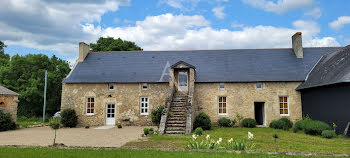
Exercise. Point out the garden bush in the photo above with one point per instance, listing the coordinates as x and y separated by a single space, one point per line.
198 131
328 134
313 127
233 123
203 121
146 131
300 125
224 122
69 118
249 122
6 122
157 115
283 123
120 126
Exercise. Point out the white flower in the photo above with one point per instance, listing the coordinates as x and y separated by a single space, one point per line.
218 142
250 135
230 140
207 137
194 136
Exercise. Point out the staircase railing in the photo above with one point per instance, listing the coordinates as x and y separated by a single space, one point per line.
189 124
165 112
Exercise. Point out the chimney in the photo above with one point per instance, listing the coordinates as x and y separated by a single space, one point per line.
297 45
83 51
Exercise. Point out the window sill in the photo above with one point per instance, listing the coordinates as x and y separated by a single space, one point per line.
223 114
284 114
90 114
144 114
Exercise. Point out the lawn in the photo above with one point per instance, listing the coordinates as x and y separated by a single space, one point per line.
9 152
287 142
24 122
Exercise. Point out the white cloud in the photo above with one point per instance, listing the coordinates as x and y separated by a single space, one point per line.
179 32
219 12
281 6
185 5
315 12
340 22
52 24
236 24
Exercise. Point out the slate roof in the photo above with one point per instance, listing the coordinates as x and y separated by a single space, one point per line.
334 67
5 91
236 65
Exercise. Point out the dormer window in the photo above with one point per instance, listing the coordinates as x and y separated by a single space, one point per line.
222 86
144 86
111 86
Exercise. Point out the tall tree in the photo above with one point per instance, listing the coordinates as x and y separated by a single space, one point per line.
4 58
111 44
25 75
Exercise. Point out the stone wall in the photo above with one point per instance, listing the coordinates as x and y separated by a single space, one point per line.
10 106
126 97
241 98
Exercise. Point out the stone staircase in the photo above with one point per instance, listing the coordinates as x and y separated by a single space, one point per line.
176 122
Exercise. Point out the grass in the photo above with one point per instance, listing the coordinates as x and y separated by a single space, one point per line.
24 122
287 141
10 152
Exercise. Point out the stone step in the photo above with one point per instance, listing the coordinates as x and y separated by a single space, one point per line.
176 125
175 129
176 122
175 132
178 115
178 111
177 118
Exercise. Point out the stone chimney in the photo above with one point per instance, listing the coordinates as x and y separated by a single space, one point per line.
297 45
83 51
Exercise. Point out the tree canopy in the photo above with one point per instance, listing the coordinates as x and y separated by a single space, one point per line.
4 58
111 44
26 76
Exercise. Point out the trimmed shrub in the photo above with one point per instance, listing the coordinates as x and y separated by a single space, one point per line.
157 115
69 118
88 126
151 131
313 127
120 126
203 121
224 122
328 134
198 131
146 131
282 123
233 123
249 122
6 122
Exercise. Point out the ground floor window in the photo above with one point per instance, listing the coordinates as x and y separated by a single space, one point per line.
222 105
90 106
284 106
144 105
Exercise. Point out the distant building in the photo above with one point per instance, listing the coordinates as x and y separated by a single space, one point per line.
9 102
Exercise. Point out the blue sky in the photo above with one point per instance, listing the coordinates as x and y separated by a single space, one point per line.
57 26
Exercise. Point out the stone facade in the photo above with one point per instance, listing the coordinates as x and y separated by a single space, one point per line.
9 105
241 98
125 96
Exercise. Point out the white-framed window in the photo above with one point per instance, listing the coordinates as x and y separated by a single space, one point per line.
222 105
222 86
144 86
259 86
144 105
111 86
284 106
90 106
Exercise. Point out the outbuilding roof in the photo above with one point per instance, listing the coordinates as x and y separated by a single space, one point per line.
5 91
334 67
236 65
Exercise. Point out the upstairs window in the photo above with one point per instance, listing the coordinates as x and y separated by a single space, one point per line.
144 105
284 106
144 86
222 86
111 86
90 106
259 86
222 106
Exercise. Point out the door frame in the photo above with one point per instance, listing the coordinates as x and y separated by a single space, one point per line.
107 113
263 112
182 88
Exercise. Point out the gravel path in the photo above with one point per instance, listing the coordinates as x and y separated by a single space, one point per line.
43 136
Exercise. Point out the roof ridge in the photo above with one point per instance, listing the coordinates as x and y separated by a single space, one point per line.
202 50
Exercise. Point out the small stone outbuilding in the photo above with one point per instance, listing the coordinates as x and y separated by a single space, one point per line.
9 102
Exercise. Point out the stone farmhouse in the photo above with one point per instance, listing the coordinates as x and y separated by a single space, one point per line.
108 88
9 102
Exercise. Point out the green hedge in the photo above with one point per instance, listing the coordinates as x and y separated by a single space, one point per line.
6 122
69 118
249 122
202 120
224 122
283 123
